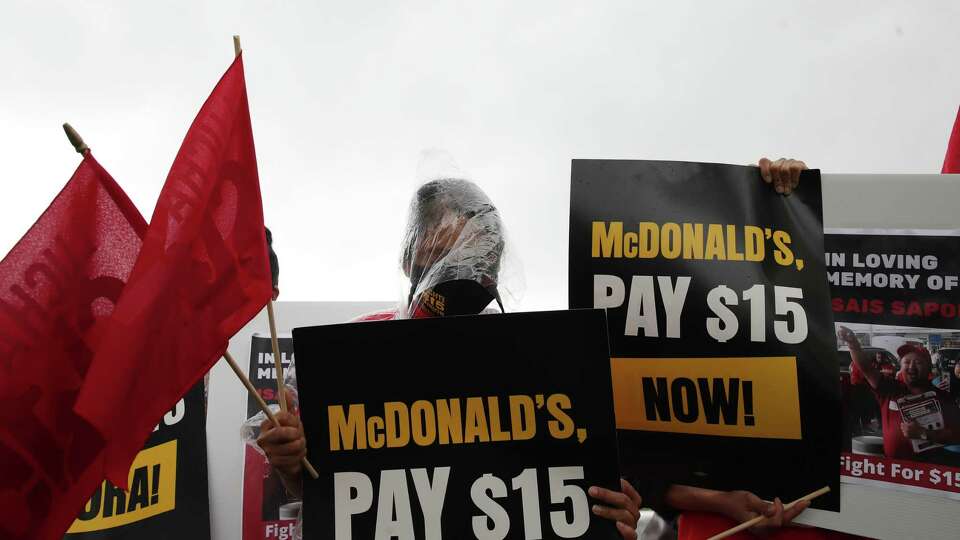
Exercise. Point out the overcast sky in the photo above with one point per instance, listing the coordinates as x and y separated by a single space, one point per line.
345 95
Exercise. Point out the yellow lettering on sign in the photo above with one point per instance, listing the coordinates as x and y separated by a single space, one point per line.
153 491
732 397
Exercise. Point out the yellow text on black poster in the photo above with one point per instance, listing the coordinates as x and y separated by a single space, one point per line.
153 488
733 397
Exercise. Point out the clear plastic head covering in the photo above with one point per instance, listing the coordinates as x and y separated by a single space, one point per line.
453 247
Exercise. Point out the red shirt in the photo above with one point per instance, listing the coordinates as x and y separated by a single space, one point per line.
895 444
385 315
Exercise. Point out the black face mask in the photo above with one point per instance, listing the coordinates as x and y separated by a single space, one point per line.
458 297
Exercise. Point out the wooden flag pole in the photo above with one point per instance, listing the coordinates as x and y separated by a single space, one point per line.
282 398
281 387
274 344
75 139
263 406
747 524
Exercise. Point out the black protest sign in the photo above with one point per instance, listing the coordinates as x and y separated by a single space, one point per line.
486 426
268 511
894 279
168 484
263 369
721 335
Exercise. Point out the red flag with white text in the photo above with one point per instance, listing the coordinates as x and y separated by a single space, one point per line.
58 285
202 274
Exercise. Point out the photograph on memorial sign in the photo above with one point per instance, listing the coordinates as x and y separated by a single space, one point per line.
168 484
719 320
483 426
269 511
897 294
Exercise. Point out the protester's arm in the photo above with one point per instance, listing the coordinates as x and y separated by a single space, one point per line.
285 447
739 506
622 507
870 372
783 173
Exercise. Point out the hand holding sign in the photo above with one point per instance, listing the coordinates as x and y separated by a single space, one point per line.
912 430
623 507
783 173
285 445
743 506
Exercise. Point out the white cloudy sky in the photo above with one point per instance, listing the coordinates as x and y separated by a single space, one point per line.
345 95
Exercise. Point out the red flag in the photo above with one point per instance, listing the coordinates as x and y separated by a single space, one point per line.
57 287
202 274
951 163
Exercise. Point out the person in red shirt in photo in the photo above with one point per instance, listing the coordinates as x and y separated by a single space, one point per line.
899 435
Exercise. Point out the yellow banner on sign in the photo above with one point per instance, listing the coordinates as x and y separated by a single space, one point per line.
153 491
753 397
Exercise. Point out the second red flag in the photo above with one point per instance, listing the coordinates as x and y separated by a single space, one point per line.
202 274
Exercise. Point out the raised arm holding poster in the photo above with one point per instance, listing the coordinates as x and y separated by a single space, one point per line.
487 426
721 334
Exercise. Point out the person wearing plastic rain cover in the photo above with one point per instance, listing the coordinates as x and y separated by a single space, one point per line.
451 254
452 257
